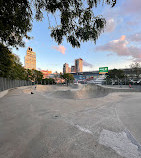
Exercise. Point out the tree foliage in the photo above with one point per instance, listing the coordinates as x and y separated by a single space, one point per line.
136 69
77 20
11 67
5 61
17 71
37 75
116 74
67 76
48 81
29 75
15 21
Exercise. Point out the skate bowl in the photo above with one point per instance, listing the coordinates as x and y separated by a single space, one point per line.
88 91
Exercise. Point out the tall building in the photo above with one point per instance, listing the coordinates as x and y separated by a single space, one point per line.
79 65
73 69
30 59
69 70
66 68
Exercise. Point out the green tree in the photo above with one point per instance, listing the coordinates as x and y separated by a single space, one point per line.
68 77
77 21
37 76
56 75
136 69
15 21
29 75
5 61
48 81
10 65
115 74
17 71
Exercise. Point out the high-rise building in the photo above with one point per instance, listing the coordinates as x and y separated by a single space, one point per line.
30 59
66 68
79 65
73 69
69 70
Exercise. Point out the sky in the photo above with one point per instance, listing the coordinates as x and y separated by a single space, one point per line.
117 47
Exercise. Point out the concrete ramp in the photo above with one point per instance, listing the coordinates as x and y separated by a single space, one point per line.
78 91
88 91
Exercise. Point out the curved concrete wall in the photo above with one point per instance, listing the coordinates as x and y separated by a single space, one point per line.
89 91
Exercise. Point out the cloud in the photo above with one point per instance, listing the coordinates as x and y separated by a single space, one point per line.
111 13
110 54
122 38
39 69
87 64
133 22
110 25
121 48
60 49
131 7
125 16
135 37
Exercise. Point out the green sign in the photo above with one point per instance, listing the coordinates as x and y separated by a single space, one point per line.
103 70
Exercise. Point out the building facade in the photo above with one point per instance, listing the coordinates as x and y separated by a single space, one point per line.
46 73
30 59
79 65
66 68
73 69
69 70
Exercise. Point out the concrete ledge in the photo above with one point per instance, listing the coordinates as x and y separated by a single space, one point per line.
25 87
89 91
118 89
3 93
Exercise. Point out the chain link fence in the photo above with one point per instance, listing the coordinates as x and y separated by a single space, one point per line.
6 83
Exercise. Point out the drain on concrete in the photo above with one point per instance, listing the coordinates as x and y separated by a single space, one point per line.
56 116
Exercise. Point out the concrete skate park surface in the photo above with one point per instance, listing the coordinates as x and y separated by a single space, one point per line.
96 122
81 91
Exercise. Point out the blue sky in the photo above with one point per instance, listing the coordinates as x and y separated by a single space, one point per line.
117 47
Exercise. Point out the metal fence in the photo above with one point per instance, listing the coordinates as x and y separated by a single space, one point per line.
6 83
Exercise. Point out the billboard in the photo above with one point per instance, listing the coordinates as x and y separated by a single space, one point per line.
103 70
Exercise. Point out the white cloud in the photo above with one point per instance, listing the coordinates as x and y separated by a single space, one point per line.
87 64
110 25
60 49
135 37
125 17
131 7
39 69
121 48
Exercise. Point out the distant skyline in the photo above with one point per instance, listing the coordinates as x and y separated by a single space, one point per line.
117 47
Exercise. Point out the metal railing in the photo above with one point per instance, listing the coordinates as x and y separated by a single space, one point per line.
6 83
